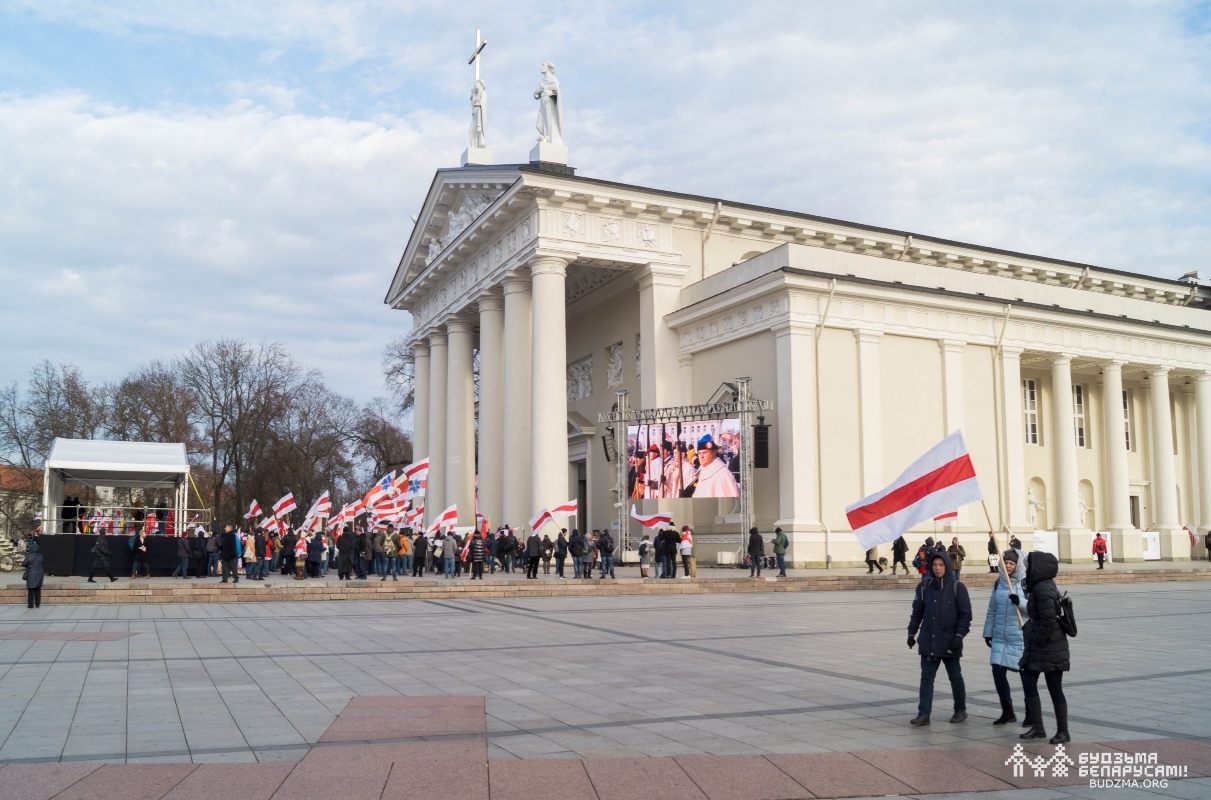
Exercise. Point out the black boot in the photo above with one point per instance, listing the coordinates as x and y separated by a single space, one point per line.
919 720
1034 713
1007 714
1061 724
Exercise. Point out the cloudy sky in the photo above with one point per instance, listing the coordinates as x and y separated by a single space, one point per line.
176 171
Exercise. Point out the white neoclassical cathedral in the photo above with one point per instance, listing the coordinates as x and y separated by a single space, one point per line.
1084 393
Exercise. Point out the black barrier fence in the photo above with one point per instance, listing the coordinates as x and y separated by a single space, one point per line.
71 554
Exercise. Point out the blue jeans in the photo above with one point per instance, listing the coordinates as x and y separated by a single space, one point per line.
448 566
576 566
380 565
957 573
781 564
212 566
929 668
607 565
405 563
275 563
264 568
183 568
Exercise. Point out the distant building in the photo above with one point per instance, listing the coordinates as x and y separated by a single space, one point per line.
20 499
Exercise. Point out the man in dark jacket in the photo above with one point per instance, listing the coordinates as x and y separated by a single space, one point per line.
227 554
288 543
421 547
576 546
365 551
533 553
260 550
756 552
200 557
184 551
561 551
605 548
899 550
941 612
344 554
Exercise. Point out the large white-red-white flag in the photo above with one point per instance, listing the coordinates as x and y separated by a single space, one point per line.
449 517
414 479
941 480
567 509
541 518
254 511
652 520
284 506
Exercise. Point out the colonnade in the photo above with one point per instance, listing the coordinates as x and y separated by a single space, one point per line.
523 443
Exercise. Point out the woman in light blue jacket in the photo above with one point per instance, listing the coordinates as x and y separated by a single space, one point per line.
1002 632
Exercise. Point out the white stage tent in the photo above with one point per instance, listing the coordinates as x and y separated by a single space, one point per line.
95 462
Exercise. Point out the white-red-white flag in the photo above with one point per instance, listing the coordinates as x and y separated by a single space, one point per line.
941 480
254 511
415 478
284 506
652 520
449 517
380 491
949 515
541 518
567 509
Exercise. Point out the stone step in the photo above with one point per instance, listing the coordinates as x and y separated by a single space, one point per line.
166 590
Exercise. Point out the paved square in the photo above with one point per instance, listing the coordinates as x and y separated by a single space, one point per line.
593 677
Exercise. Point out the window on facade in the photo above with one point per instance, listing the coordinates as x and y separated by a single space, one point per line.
1078 414
1030 408
1127 418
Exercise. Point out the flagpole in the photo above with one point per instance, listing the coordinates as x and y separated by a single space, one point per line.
1001 564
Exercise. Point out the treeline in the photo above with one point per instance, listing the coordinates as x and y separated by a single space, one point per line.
256 424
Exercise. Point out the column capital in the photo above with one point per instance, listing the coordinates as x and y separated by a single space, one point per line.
420 349
1061 359
685 359
793 327
1205 375
491 300
1114 364
867 336
515 282
460 326
658 273
1158 371
438 339
1011 352
952 345
550 262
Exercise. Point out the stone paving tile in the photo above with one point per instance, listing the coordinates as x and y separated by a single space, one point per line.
128 781
368 718
741 778
837 775
932 772
544 780
231 782
41 781
630 778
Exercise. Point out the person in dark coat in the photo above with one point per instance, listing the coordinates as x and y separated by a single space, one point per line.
138 561
227 554
315 554
288 543
34 572
200 557
533 553
477 551
756 552
364 552
421 545
184 553
941 613
561 551
548 550
1046 647
344 554
101 558
576 546
899 552
260 548
993 550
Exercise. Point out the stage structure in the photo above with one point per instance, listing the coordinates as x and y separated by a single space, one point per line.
630 433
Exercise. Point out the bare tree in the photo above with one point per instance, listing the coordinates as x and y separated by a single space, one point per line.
379 441
399 372
153 404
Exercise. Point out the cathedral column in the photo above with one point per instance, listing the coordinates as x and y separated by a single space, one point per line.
659 290
435 492
515 482
1175 546
420 399
870 411
1202 401
1063 447
491 405
1126 544
798 440
460 421
548 384
952 406
1013 441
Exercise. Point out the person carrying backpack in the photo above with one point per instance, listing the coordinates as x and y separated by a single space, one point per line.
577 549
780 546
1046 645
605 547
645 556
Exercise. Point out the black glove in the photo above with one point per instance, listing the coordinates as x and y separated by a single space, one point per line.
1013 598
988 641
957 644
912 641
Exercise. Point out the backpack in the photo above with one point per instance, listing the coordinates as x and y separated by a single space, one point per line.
1065 618
916 560
577 548
643 548
131 542
606 544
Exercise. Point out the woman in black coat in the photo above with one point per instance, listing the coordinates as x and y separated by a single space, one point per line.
101 558
1045 647
344 554
34 571
756 552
